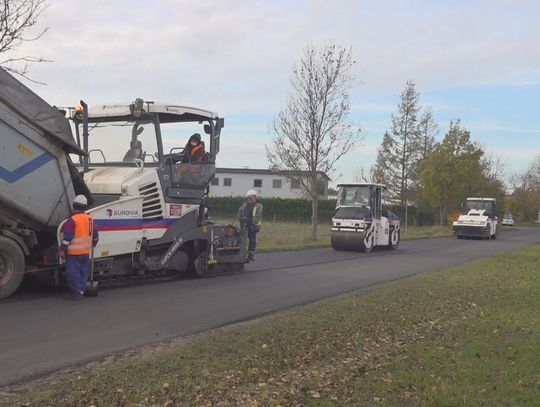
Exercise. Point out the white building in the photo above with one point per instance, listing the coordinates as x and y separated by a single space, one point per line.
267 183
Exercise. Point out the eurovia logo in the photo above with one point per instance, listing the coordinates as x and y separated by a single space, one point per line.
124 212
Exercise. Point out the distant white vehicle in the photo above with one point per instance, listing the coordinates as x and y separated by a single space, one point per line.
508 220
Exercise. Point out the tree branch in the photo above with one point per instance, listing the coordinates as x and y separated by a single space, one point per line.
16 19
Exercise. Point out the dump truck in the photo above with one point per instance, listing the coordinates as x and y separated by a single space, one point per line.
361 221
478 219
148 203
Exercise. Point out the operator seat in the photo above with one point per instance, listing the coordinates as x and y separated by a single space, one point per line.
135 152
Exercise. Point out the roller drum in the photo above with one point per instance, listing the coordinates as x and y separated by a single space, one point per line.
349 241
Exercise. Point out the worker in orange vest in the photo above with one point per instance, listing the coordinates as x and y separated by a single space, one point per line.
194 150
79 236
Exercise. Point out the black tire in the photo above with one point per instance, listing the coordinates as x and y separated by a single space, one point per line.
200 264
459 236
11 266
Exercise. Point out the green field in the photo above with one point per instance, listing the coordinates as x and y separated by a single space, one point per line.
468 336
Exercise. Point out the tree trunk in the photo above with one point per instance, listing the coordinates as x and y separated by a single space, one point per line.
314 216
406 216
445 214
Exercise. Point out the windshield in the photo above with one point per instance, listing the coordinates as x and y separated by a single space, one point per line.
353 195
347 212
488 206
121 142
196 175
126 141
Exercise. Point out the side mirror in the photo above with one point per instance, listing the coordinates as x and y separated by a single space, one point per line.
137 129
207 129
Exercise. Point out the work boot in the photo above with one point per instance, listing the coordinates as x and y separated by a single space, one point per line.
251 255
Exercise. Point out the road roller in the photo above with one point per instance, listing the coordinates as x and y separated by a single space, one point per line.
361 221
478 220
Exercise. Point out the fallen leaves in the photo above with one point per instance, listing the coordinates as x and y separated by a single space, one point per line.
315 394
360 351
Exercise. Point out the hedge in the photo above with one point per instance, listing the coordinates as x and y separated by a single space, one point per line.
275 209
299 210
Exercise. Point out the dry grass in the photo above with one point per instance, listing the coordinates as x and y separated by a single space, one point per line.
291 236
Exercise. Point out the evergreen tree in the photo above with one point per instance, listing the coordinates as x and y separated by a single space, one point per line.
398 154
427 133
380 171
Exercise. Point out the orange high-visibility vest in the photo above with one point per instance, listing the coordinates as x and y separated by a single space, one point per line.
197 149
82 236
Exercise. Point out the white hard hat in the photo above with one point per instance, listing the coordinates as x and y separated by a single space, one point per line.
251 192
80 200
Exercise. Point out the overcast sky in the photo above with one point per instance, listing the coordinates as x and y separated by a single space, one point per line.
474 60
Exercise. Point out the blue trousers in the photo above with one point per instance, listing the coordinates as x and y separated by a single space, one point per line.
77 269
252 237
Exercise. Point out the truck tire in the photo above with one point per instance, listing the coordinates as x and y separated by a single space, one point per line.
11 266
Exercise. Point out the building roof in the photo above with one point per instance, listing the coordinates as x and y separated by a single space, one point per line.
266 172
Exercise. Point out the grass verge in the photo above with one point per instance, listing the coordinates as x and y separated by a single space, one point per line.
277 236
469 336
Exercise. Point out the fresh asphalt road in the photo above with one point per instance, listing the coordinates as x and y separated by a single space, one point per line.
42 334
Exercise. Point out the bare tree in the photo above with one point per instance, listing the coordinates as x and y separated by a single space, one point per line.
312 132
17 19
361 175
526 190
